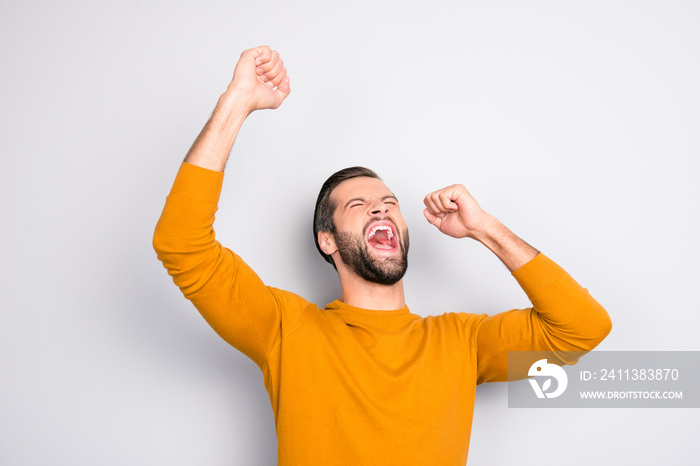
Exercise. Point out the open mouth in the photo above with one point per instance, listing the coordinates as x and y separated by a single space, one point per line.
382 236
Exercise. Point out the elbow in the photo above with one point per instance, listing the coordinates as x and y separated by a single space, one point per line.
165 240
607 326
588 328
593 322
603 327
596 328
165 245
158 241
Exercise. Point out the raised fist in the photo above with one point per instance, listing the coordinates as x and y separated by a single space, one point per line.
454 211
260 79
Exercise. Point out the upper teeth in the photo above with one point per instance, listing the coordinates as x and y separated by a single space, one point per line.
381 227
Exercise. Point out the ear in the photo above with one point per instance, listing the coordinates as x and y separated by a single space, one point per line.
326 242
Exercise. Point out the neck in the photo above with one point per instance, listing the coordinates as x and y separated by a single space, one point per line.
367 295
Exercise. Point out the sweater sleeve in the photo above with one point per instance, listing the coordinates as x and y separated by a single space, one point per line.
564 318
228 294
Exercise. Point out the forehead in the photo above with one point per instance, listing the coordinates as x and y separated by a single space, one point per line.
359 187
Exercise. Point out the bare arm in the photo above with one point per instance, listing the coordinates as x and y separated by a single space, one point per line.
259 81
456 213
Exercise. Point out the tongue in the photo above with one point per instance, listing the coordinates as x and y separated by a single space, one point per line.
381 240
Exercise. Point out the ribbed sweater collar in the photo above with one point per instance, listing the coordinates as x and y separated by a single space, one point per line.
392 320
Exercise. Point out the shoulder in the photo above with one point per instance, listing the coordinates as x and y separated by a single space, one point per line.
295 310
290 299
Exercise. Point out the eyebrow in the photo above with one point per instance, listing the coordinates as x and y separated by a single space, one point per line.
363 200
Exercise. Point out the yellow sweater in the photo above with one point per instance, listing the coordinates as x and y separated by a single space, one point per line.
356 386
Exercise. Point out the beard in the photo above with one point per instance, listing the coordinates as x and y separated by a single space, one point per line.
355 254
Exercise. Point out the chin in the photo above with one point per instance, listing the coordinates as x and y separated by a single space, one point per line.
383 266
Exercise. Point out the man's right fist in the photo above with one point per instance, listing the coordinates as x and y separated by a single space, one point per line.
260 79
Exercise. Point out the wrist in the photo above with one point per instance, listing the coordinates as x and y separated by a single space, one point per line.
213 145
233 105
512 250
230 112
489 231
238 100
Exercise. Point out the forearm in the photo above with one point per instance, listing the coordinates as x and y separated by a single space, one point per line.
510 249
259 81
212 147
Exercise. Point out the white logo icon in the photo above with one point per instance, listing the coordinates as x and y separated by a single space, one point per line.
543 369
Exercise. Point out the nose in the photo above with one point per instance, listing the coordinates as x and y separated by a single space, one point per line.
377 207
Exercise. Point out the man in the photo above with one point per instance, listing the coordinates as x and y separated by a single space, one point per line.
362 381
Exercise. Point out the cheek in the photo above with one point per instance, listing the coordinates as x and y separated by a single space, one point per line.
398 219
353 222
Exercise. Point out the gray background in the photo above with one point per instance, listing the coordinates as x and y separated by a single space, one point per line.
575 123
